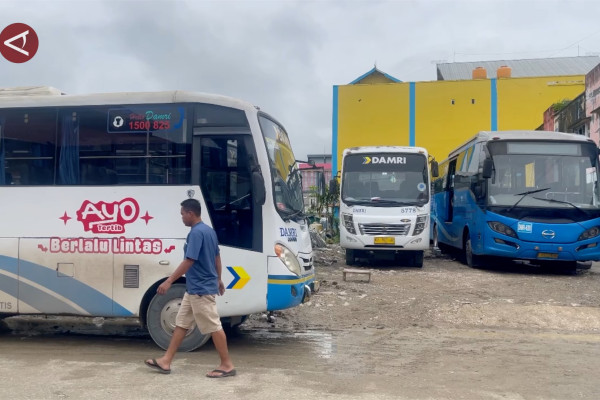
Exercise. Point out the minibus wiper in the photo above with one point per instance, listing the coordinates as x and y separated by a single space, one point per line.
563 202
525 194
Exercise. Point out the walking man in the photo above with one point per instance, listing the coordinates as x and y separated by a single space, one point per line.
202 269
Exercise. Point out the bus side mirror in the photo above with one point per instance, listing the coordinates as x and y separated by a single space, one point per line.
488 167
434 169
321 184
258 187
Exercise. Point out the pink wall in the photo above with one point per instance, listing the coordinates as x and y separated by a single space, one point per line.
592 102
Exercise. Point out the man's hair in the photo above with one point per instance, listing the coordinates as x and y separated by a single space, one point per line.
192 205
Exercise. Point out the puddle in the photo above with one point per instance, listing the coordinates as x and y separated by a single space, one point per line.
321 344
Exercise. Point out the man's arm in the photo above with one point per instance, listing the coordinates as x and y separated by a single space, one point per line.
179 272
219 268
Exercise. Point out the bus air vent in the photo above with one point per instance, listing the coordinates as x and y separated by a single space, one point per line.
131 276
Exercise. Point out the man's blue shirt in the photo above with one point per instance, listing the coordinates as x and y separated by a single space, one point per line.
202 246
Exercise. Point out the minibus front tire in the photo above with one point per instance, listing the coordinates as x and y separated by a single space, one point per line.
160 320
350 257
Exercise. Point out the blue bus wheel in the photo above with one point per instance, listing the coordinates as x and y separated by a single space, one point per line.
160 320
472 260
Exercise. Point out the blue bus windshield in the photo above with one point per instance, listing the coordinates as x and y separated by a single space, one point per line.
567 176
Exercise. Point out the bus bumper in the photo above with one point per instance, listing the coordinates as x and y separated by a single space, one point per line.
503 246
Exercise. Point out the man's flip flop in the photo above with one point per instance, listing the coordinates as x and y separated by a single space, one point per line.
222 374
154 364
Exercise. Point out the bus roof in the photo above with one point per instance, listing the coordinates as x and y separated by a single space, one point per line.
485 136
38 97
384 149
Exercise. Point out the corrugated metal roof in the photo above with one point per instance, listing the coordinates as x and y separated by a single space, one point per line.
520 68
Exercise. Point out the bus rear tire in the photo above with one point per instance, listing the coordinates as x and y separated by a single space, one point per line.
160 320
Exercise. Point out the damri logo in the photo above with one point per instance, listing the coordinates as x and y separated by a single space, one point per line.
384 160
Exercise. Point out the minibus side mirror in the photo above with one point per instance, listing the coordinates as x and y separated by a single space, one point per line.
488 167
258 187
434 169
334 187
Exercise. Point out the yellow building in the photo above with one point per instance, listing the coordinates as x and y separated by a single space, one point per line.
378 109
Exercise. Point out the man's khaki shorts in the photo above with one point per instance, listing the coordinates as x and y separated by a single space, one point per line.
199 308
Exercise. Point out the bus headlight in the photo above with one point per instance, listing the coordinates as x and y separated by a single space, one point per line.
349 223
288 258
590 233
420 225
502 229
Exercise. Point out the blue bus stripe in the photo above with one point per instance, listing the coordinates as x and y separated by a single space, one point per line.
9 285
86 297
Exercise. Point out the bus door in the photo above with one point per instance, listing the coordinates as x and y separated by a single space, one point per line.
54 279
226 165
450 191
9 275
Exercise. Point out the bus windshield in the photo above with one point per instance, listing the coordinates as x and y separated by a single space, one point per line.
385 179
285 174
543 174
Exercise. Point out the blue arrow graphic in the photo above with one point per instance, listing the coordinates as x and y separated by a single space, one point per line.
236 277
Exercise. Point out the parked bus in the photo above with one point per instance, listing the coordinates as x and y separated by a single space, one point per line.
90 195
385 203
526 195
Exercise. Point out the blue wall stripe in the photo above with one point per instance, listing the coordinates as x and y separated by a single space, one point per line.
412 113
494 103
334 132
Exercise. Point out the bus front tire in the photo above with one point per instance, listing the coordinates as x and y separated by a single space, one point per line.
350 257
417 259
160 320
472 260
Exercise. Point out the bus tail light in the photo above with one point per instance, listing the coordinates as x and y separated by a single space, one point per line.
349 223
502 229
288 258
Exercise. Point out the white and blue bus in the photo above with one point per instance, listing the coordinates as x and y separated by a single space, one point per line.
90 194
523 195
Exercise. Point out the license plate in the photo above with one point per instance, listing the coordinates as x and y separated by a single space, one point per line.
547 255
385 240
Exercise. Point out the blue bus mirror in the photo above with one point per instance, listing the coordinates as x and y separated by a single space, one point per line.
488 167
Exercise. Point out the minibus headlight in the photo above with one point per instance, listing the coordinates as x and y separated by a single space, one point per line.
288 258
349 223
590 233
502 229
420 224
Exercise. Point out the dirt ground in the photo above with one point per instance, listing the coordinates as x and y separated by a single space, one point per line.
443 331
449 331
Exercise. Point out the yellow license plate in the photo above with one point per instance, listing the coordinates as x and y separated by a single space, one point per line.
385 240
547 255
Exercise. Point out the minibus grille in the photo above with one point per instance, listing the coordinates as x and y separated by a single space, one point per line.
384 229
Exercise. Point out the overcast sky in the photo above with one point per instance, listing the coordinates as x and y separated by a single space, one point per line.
284 56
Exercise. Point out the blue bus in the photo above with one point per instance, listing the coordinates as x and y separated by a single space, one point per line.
519 195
